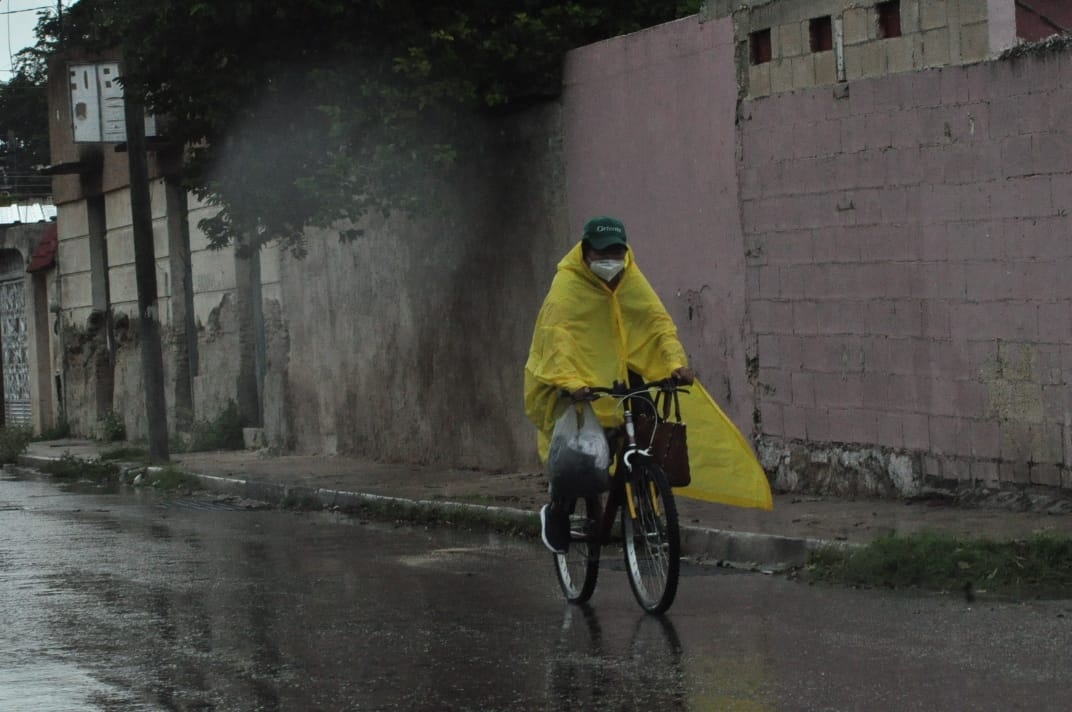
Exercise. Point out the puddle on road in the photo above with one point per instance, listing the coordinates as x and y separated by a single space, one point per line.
44 686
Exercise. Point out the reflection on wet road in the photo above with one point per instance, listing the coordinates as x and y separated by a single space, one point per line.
128 602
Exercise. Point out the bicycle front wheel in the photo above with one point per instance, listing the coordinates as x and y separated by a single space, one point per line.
578 568
652 539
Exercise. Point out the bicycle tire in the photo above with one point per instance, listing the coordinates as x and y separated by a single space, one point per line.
652 541
578 568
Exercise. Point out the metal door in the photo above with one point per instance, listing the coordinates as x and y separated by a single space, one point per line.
17 408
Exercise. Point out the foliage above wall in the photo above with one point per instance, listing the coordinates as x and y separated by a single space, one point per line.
320 112
24 130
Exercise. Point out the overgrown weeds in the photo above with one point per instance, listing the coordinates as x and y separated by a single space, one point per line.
13 442
224 432
170 479
74 469
59 431
1037 567
112 427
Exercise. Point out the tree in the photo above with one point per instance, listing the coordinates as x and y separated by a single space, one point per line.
24 130
320 112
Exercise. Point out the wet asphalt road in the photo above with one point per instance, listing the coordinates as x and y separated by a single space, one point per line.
131 602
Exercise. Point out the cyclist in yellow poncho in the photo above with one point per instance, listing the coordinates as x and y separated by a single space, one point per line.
602 320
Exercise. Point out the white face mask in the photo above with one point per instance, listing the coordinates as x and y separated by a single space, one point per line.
606 269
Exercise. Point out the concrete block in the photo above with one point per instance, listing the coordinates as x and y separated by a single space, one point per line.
899 54
759 79
859 25
935 48
867 60
212 271
789 41
771 317
781 75
120 246
974 43
122 284
803 71
794 423
73 256
117 209
76 292
890 429
803 389
72 220
970 11
771 416
825 68
933 15
817 424
916 431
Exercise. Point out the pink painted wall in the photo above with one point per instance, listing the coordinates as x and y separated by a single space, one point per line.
909 260
649 126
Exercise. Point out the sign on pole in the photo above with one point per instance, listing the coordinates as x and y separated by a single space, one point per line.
97 104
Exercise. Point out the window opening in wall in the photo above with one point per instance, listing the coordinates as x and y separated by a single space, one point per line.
822 34
889 18
761 46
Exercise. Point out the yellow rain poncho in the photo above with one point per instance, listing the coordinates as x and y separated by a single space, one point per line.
589 335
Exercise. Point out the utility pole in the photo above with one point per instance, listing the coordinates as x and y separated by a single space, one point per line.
152 360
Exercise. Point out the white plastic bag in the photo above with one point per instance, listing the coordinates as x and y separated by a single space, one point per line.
579 457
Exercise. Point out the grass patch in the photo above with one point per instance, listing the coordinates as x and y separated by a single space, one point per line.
75 469
1036 567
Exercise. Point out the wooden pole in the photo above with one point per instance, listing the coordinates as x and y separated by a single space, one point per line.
152 360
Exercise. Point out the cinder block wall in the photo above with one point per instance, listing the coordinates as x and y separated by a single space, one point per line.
933 33
908 250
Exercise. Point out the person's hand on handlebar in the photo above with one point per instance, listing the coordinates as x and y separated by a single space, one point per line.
684 374
583 393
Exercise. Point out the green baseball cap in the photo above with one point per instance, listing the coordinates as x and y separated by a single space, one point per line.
601 232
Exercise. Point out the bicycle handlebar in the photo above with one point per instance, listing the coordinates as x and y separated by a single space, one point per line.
624 390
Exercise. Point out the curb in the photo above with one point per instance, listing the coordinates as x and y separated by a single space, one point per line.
736 549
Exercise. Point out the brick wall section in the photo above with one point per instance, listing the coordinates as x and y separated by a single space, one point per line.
934 33
907 251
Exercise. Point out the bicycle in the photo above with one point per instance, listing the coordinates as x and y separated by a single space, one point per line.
649 524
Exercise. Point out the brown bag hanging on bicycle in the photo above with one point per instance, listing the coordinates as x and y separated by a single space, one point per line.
668 443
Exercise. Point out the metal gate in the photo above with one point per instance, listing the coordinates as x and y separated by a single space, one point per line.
17 408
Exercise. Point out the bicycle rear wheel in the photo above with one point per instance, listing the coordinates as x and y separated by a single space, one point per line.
578 568
652 540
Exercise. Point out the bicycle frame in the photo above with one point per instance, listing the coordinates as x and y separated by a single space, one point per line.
630 454
650 532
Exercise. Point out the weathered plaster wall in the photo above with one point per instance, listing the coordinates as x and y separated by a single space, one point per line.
409 343
908 246
94 345
649 121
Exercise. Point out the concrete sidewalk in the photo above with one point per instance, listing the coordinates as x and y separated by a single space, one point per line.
744 537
